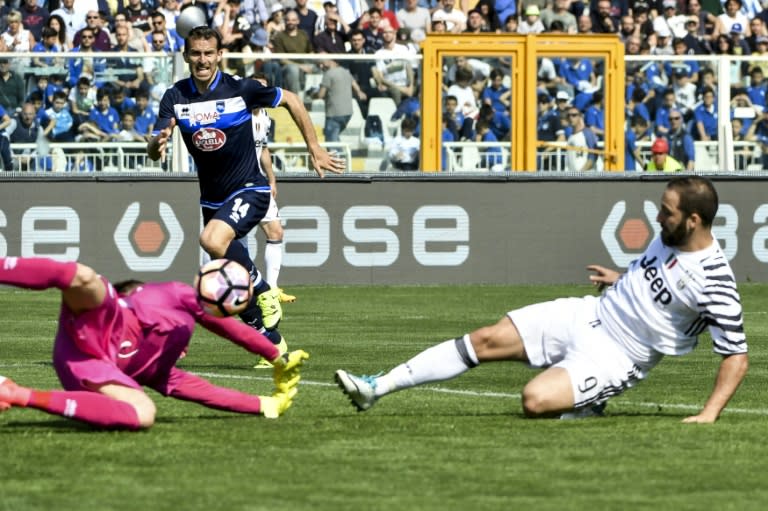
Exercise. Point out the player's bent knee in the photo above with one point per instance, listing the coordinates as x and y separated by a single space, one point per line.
534 404
213 247
548 394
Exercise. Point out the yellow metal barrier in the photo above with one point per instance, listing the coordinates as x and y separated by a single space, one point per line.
522 51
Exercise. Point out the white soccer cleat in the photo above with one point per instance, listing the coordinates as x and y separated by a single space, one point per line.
361 390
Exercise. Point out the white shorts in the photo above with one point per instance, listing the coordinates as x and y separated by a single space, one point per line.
272 211
566 333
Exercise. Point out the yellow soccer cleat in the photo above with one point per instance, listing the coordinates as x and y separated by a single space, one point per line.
266 364
271 311
285 297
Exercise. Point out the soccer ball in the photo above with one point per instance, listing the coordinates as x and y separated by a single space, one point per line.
223 287
189 18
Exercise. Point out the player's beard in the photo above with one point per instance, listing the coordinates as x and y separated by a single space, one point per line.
676 237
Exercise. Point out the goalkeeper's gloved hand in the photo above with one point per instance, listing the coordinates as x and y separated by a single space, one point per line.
286 369
275 405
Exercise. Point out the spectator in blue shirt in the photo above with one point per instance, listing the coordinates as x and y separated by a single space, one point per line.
498 122
41 87
87 66
491 156
496 94
145 116
746 113
594 116
661 121
121 101
48 45
460 127
681 145
757 88
632 158
447 136
691 67
579 73
57 120
173 41
705 117
104 117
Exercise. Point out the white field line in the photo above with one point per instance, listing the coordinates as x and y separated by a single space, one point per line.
458 392
475 393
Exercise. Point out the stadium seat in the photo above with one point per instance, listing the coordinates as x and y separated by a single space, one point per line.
385 108
318 118
704 160
352 133
318 105
470 159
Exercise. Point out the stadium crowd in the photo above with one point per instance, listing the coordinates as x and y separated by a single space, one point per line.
101 99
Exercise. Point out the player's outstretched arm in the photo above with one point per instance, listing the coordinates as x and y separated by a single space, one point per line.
157 147
321 159
732 370
189 387
603 277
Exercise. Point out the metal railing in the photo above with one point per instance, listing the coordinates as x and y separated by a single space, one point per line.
132 157
291 155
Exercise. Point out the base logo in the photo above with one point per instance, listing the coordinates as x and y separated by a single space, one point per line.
625 238
134 236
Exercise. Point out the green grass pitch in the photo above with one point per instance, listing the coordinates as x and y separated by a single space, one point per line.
460 445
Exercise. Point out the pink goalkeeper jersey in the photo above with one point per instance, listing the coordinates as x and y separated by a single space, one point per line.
144 333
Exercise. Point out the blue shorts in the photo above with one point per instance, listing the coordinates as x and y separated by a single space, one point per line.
242 212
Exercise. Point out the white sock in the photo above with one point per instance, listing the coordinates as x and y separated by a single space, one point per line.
273 260
438 363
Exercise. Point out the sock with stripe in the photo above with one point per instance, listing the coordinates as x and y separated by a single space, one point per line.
441 362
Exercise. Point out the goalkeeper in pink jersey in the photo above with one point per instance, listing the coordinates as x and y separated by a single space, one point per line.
114 339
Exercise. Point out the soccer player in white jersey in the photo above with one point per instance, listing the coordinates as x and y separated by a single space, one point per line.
270 224
596 347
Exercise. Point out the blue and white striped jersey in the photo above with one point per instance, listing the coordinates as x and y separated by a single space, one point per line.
668 297
216 128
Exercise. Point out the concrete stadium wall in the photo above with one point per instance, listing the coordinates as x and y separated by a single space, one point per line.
501 230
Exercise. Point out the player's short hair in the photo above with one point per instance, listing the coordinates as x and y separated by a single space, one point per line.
125 287
697 195
202 32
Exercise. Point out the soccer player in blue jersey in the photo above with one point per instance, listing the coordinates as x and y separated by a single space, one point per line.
213 112
596 347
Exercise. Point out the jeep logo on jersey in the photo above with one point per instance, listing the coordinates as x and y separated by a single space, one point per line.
209 139
634 234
